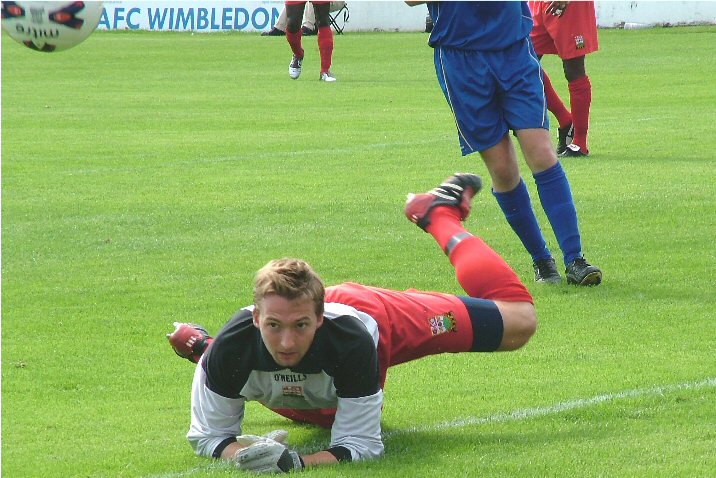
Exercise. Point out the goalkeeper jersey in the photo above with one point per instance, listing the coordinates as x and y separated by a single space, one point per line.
340 370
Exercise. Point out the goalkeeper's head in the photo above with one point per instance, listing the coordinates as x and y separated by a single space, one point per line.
291 279
288 308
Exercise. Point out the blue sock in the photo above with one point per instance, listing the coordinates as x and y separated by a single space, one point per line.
556 197
517 207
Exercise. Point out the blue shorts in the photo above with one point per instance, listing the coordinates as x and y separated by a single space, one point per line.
492 92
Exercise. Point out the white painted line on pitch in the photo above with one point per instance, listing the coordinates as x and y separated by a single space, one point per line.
258 155
514 416
527 413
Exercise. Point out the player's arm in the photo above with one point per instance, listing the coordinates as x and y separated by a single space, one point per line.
215 420
356 433
355 436
215 431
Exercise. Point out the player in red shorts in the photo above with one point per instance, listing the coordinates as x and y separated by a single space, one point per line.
320 355
567 29
294 16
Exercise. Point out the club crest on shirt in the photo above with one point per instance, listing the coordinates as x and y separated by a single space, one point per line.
443 323
292 391
291 383
579 42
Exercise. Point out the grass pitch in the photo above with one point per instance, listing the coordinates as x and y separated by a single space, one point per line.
146 176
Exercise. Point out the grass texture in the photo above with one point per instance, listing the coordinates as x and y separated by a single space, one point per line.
146 176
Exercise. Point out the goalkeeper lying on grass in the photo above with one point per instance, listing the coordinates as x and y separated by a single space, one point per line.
320 355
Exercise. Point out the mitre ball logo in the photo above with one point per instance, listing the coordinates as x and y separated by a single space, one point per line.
50 26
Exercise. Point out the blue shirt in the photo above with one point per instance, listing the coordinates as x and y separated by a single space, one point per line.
479 25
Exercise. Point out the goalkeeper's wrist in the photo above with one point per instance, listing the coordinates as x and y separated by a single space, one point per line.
290 460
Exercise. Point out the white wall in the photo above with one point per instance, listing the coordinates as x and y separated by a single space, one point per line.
394 15
385 16
213 16
616 13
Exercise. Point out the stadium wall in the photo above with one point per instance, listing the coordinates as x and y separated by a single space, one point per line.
253 16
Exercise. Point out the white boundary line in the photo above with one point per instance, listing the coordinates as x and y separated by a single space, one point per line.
251 156
527 413
517 415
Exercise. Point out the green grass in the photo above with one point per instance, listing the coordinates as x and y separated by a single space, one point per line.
146 176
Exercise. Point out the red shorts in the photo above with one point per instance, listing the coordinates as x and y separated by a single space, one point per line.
412 324
323 417
572 35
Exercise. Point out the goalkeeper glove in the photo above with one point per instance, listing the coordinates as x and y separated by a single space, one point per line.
268 456
276 435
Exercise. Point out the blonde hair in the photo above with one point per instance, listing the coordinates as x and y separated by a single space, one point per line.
290 279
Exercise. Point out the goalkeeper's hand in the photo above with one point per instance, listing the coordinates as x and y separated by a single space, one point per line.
279 436
268 456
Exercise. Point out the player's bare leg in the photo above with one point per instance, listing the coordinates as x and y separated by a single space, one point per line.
556 198
514 199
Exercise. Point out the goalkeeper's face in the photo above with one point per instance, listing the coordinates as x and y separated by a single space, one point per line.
287 327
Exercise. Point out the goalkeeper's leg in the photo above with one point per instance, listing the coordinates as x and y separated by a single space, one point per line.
483 274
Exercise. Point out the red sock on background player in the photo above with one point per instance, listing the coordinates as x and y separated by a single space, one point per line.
325 47
555 103
294 40
580 99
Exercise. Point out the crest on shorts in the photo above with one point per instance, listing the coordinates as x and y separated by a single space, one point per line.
579 42
443 323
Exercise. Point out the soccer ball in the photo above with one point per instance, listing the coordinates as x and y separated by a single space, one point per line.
50 26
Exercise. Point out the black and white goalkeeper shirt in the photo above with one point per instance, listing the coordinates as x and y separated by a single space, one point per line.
340 370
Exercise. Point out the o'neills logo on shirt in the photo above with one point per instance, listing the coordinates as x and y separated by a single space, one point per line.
443 323
289 377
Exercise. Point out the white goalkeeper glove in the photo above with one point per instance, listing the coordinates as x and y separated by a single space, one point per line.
276 435
268 456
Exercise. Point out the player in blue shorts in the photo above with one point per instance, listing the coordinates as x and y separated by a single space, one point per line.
492 80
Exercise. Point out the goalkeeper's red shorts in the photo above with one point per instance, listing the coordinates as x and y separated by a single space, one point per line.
323 417
414 324
572 35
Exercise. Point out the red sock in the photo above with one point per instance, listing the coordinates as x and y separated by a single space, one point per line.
294 40
480 270
580 97
555 103
444 224
325 46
